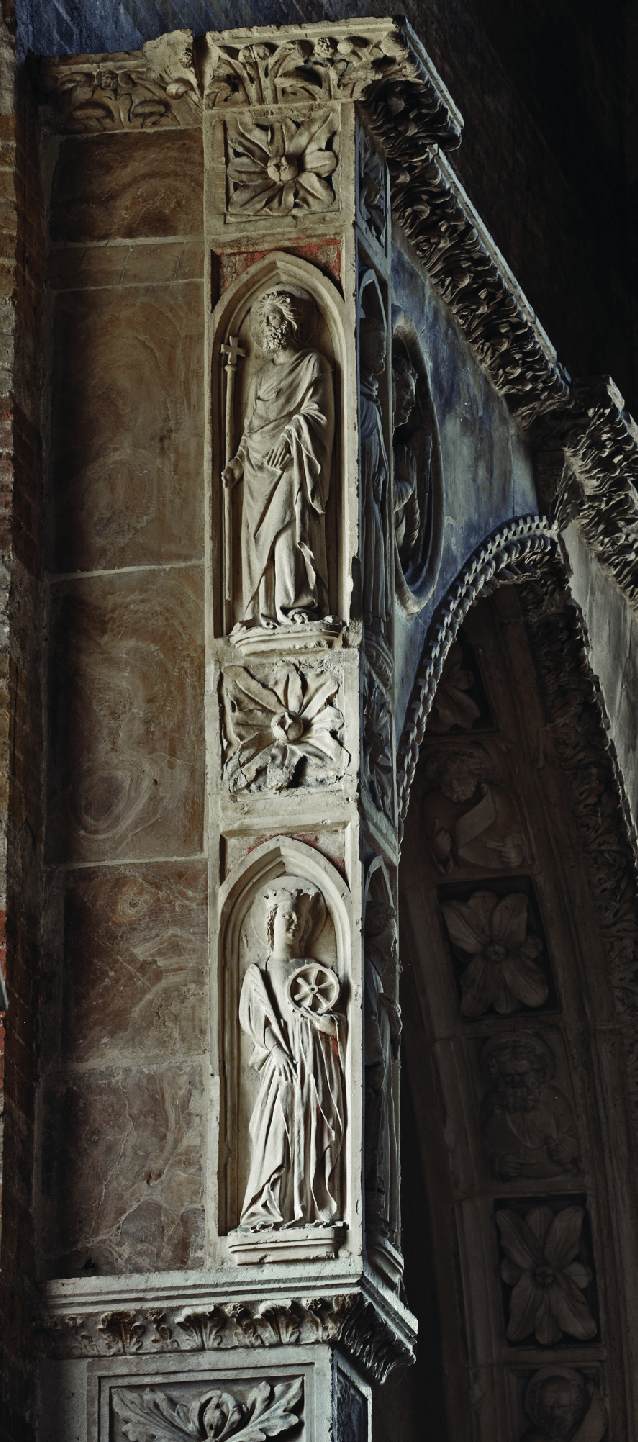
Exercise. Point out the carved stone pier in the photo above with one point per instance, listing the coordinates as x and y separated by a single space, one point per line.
316 510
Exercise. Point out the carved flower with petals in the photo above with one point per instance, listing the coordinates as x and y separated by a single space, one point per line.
283 734
283 166
541 1266
503 973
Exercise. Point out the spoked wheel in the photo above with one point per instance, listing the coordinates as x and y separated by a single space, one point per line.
314 987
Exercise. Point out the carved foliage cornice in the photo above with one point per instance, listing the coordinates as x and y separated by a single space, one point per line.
587 463
148 89
352 1320
345 60
469 272
510 554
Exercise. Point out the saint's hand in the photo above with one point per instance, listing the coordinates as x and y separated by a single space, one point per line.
279 454
283 1064
233 472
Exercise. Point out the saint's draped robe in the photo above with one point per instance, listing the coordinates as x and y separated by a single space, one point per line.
296 1127
285 507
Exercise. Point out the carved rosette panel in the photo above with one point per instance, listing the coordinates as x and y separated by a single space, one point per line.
246 1413
282 164
283 727
548 1281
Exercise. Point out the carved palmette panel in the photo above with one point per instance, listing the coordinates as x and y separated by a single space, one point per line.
285 1043
183 1412
418 490
277 410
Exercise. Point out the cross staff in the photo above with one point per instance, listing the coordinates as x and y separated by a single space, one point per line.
233 352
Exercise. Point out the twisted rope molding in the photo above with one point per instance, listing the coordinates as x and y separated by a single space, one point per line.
527 543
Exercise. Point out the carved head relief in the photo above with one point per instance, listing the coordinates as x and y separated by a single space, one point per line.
562 1407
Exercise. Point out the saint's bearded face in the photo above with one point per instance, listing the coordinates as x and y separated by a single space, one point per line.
519 1085
277 331
562 1407
458 780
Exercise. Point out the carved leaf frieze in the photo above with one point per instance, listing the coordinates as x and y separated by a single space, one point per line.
144 90
265 1410
282 166
283 734
364 1332
542 1264
340 61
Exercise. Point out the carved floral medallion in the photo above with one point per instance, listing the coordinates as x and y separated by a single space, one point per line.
283 734
280 167
542 1265
504 970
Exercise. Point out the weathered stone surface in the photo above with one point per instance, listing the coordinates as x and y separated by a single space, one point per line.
124 186
125 263
127 427
135 958
126 742
123 1170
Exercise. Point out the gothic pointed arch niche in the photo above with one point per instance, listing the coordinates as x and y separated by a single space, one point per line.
519 940
235 358
285 1196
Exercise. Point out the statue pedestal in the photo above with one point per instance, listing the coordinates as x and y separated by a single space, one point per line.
288 1244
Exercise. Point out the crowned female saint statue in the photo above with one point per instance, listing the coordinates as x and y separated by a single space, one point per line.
284 461
287 1009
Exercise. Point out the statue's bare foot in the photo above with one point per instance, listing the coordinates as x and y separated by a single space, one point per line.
299 618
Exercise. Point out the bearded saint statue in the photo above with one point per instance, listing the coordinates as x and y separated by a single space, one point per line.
286 1008
284 460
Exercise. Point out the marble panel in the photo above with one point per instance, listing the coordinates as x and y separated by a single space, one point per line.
127 427
135 962
121 186
126 748
123 1170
